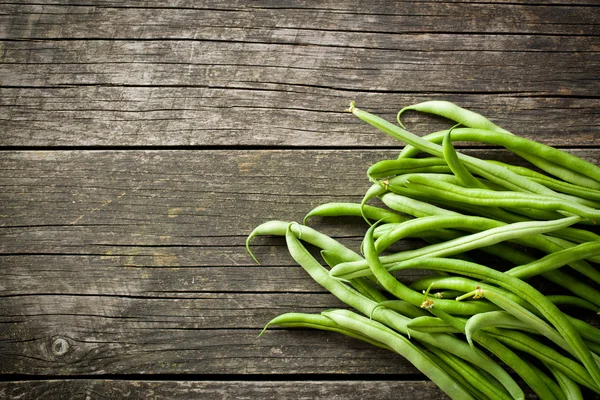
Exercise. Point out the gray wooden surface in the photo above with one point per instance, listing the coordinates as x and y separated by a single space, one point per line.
141 142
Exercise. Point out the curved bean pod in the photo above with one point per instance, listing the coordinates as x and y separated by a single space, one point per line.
494 173
400 345
569 387
385 168
546 157
457 166
527 292
392 285
503 232
518 365
497 319
391 318
528 318
546 354
318 321
431 325
279 228
549 182
454 112
487 198
354 210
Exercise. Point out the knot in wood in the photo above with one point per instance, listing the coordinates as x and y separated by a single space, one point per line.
60 346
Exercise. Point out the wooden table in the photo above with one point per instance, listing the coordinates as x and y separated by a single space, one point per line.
142 141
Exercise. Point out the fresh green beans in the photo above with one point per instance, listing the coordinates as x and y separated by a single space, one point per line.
465 209
402 346
528 293
487 198
453 112
358 268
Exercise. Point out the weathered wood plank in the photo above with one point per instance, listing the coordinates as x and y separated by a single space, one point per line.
115 20
157 280
157 277
248 65
110 202
293 390
110 348
245 75
295 116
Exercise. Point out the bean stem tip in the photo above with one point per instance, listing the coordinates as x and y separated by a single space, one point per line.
352 107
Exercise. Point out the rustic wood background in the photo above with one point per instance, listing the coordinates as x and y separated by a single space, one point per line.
142 141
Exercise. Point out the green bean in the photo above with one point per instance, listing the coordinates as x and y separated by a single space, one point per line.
503 353
563 243
524 150
320 240
487 198
546 354
481 239
562 171
374 191
524 290
453 112
494 173
386 168
452 371
550 383
318 321
399 185
411 206
404 308
474 381
307 234
560 258
568 386
389 317
528 318
456 165
545 157
501 250
354 269
402 346
401 291
549 182
354 210
467 285
431 325
587 331
498 319
573 301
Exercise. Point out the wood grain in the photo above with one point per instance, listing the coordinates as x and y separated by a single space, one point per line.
181 19
262 117
293 390
141 142
249 65
134 262
244 75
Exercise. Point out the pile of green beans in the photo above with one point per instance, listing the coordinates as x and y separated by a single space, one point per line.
476 322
